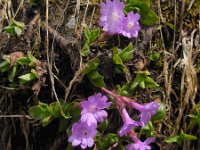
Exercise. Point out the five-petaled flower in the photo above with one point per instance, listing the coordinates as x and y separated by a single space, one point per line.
114 21
138 145
147 111
129 124
92 109
111 16
130 25
82 134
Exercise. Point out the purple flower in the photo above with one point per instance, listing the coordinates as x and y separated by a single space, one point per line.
128 123
146 111
131 26
93 109
103 16
89 118
138 145
82 134
112 16
113 20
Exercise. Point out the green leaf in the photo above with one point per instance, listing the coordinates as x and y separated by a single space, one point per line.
13 73
27 78
94 35
87 33
39 111
148 17
15 27
68 106
72 109
155 56
139 78
21 25
126 90
142 84
54 109
103 126
35 2
75 111
90 36
150 83
4 66
160 113
170 25
18 31
130 7
143 81
23 61
85 50
47 120
32 59
109 140
127 53
96 79
91 65
119 66
188 136
9 30
195 118
98 141
35 73
148 130
143 5
180 138
173 139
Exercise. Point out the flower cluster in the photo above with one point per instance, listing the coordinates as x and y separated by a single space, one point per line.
92 112
138 145
114 21
146 112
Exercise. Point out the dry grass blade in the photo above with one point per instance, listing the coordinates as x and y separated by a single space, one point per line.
188 79
48 61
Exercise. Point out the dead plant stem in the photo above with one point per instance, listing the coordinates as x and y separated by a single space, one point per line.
48 61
